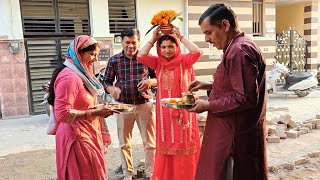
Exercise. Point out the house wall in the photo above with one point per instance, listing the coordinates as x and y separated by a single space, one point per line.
318 40
99 24
10 20
13 78
211 57
290 16
13 73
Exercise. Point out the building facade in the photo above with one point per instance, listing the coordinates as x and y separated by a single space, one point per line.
34 36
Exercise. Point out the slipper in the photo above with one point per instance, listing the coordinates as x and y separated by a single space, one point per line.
118 171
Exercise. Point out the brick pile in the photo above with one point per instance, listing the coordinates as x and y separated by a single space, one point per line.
277 128
284 127
201 124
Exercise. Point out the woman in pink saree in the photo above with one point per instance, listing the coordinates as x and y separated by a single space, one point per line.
81 134
177 133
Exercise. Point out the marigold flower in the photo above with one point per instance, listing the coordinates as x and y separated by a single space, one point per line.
164 17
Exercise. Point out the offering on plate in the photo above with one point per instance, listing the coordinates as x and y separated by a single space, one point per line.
176 103
121 107
188 98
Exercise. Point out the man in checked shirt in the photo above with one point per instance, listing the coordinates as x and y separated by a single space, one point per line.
133 79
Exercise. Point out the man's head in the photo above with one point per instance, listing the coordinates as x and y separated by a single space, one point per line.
219 24
130 39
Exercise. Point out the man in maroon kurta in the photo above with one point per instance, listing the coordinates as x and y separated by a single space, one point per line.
236 105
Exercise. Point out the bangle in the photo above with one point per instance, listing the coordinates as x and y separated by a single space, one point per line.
181 38
150 43
88 113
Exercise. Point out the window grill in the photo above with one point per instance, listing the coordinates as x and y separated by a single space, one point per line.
122 14
55 18
257 18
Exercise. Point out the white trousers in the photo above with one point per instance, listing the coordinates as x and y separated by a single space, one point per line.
144 115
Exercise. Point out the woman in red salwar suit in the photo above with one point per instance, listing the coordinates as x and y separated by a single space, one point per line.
177 133
235 127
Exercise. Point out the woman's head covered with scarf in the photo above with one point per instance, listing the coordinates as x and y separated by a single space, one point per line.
75 62
176 59
79 45
82 52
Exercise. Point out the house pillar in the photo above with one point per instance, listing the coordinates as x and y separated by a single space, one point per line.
311 33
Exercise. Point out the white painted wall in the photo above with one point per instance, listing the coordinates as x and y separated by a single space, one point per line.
99 18
10 20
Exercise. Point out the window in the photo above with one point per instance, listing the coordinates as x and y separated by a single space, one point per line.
257 15
55 18
122 14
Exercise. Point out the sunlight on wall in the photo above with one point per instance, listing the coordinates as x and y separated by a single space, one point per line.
290 16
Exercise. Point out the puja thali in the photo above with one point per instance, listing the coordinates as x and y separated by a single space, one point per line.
175 103
121 107
118 107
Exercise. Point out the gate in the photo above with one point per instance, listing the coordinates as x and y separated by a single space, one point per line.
49 26
291 50
44 55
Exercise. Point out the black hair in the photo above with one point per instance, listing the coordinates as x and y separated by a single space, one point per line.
129 32
219 12
56 72
89 48
166 37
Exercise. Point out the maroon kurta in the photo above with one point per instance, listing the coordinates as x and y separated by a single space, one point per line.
236 119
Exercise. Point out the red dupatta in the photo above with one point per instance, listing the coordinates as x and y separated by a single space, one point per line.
180 70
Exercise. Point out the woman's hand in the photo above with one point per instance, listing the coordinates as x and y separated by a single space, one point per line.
105 111
176 32
155 35
200 106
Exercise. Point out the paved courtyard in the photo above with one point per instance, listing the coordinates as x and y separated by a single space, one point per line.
27 134
24 134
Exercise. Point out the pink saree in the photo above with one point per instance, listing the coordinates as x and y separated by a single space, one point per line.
79 144
177 132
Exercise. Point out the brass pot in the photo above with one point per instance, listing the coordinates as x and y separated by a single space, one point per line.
188 98
166 29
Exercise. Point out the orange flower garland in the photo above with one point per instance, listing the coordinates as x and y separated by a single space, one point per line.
164 17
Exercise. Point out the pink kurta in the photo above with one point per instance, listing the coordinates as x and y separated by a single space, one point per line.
236 120
177 132
79 146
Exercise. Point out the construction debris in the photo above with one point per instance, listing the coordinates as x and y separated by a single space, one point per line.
284 127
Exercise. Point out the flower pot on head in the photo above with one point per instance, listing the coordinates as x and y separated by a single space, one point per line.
166 29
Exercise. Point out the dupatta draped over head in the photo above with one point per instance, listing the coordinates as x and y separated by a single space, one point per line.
76 64
182 72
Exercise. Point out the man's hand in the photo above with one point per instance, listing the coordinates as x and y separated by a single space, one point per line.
143 85
147 94
200 106
198 85
114 92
